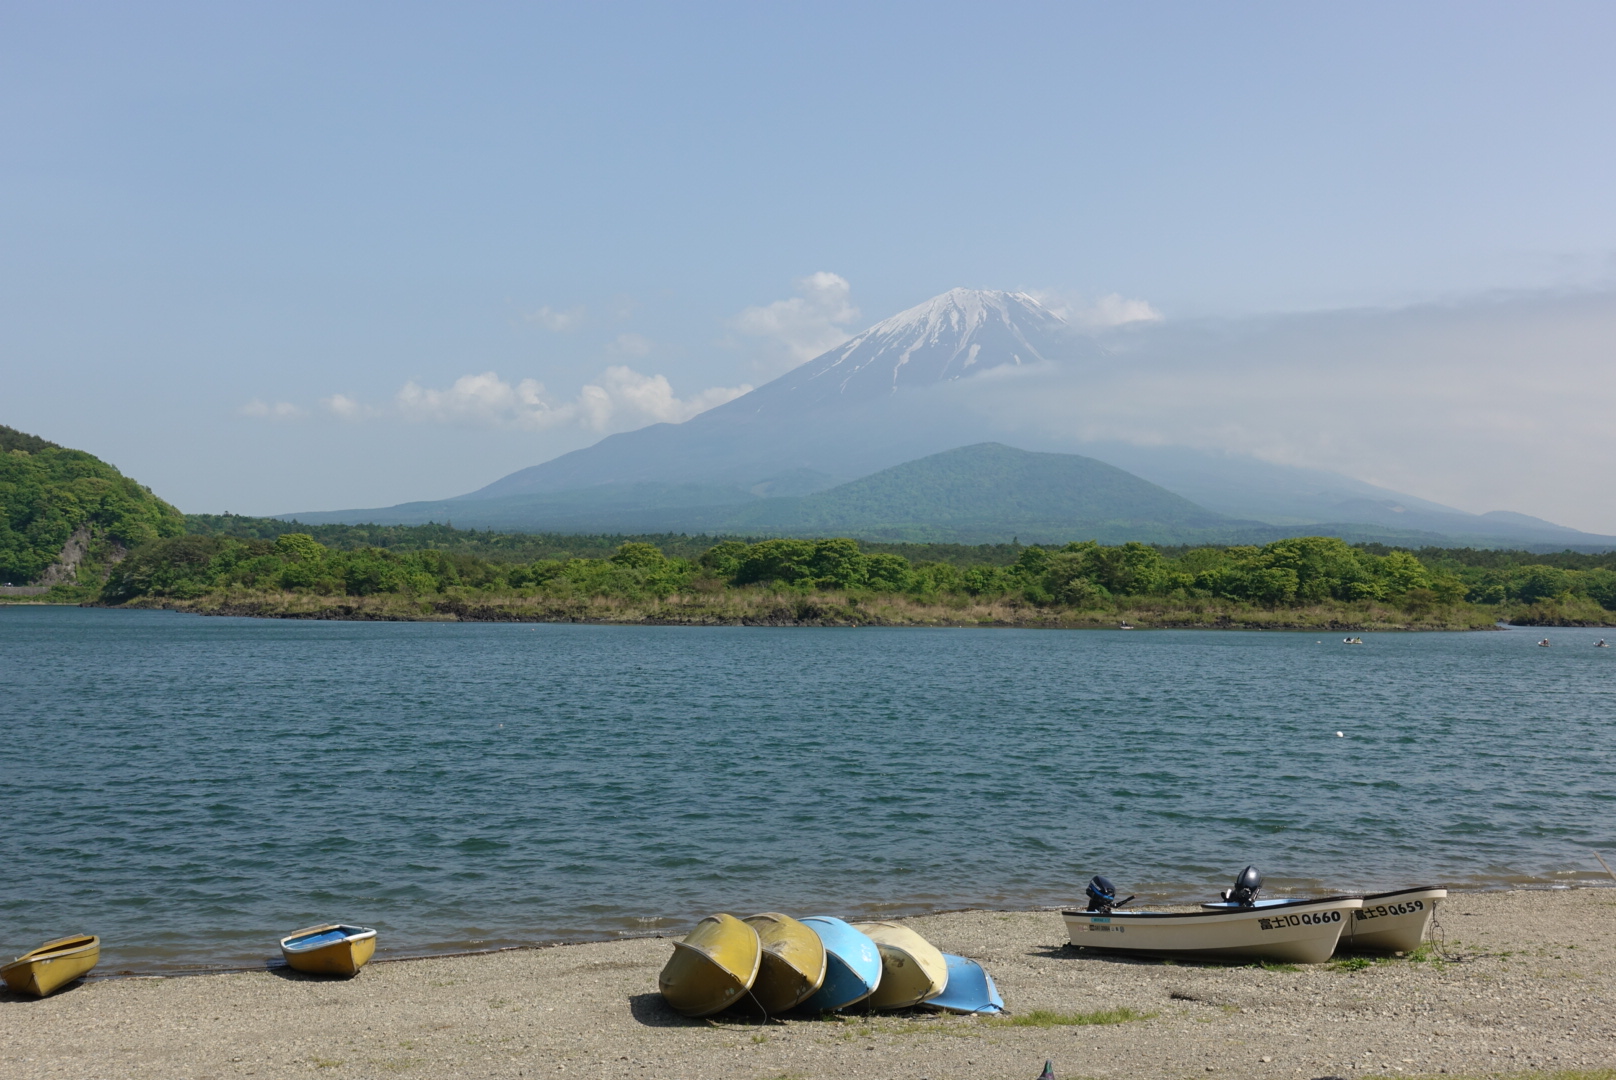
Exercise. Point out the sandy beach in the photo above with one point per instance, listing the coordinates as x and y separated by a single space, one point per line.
1528 984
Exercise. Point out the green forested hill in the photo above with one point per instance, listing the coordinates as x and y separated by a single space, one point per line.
991 493
48 493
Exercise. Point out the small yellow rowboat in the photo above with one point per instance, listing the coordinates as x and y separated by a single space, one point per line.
713 967
793 963
912 969
331 949
52 965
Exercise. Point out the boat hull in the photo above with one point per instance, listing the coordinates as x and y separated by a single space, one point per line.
349 949
793 964
912 969
970 988
852 964
1392 921
53 965
713 967
1295 932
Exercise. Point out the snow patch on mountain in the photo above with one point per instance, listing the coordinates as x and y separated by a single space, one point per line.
961 333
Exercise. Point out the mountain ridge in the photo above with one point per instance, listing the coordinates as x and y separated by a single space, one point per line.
900 391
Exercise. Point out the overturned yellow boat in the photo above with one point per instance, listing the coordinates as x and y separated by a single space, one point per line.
713 967
331 949
53 965
912 969
793 962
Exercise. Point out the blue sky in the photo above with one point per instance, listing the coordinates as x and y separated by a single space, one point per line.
231 235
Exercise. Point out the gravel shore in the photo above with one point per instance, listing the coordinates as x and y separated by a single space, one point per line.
1528 984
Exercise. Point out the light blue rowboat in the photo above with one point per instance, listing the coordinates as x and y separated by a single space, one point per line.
852 964
970 988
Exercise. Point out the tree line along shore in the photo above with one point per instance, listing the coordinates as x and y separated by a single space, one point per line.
261 567
74 526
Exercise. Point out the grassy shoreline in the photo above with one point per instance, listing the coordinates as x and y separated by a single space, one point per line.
825 609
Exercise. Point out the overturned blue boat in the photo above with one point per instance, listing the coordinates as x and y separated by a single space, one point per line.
852 964
970 988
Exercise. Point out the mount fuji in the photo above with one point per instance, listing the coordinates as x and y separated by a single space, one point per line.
844 414
903 390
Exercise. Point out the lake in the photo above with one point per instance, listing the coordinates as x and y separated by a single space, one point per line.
193 788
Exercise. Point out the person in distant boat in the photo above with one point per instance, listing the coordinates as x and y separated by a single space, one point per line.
1544 643
1600 644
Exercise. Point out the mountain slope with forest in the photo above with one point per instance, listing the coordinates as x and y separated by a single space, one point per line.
989 493
906 388
66 516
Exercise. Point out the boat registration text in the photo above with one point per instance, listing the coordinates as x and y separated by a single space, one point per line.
1279 922
1381 910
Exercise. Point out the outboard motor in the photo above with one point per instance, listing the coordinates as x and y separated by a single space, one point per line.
1246 887
1103 895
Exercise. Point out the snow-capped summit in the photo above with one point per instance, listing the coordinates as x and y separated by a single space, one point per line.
844 413
961 313
961 333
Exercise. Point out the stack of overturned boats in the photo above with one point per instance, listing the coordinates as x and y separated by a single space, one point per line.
1244 926
772 963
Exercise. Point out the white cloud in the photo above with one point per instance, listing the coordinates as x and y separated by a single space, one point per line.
1494 404
621 399
277 410
1112 309
630 345
560 321
346 407
477 399
817 319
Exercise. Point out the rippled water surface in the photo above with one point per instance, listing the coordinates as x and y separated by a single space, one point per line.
193 788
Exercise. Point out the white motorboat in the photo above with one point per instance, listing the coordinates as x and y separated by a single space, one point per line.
1388 922
1392 921
1245 928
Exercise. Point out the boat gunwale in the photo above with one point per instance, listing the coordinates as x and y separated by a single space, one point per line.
1403 892
757 958
85 942
882 947
909 955
1222 913
362 933
711 959
779 918
1270 905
